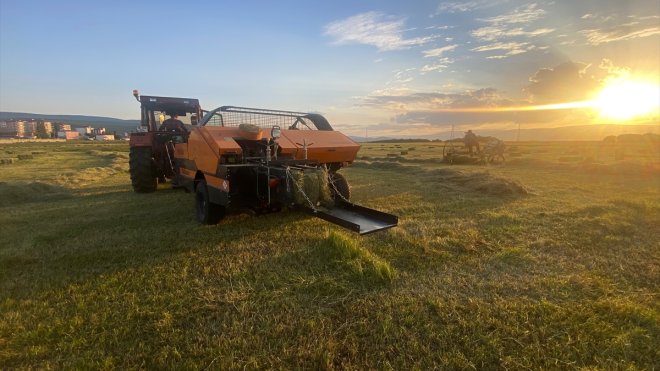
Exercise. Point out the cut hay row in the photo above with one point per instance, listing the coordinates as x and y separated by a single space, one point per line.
481 182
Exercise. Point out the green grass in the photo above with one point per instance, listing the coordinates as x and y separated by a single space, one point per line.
480 273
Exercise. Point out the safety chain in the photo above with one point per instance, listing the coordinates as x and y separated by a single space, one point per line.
336 190
289 176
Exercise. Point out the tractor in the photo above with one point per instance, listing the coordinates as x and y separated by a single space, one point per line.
263 160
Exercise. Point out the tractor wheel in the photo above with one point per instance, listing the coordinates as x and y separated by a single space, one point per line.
143 173
207 212
339 184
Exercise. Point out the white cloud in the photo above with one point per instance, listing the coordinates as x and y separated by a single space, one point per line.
496 32
373 28
466 6
523 14
439 65
511 48
437 52
618 33
459 7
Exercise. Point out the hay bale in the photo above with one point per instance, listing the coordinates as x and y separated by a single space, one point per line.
25 157
404 152
38 152
6 161
314 184
325 193
9 152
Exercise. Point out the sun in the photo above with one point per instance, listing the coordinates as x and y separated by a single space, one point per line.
625 99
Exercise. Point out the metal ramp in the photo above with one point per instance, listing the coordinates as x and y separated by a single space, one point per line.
360 219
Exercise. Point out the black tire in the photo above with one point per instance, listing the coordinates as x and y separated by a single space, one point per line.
339 184
142 170
206 212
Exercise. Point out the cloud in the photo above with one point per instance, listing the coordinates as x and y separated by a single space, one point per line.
417 111
497 32
373 28
429 101
437 52
618 33
523 14
567 82
439 65
459 7
511 48
466 6
504 31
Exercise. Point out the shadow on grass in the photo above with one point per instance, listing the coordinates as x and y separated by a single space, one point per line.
58 241
12 194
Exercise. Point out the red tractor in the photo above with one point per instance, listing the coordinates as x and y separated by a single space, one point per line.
152 151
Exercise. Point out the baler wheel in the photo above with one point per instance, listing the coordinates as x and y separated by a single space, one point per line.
339 184
143 174
207 212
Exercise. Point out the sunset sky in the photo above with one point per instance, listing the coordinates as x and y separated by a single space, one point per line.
398 68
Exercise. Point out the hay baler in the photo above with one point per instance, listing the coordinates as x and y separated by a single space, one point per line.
266 160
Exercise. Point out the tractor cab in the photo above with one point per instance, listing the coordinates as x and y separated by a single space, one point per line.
152 147
154 110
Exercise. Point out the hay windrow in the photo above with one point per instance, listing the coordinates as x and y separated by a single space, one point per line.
479 182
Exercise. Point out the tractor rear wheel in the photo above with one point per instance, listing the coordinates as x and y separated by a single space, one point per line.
142 169
339 184
207 212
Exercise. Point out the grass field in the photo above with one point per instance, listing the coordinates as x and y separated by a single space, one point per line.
550 260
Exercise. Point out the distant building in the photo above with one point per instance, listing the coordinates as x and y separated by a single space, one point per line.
63 127
99 131
85 130
68 134
30 129
12 129
44 129
105 137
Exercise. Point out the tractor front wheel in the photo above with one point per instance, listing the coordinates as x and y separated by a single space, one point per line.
207 212
339 185
142 170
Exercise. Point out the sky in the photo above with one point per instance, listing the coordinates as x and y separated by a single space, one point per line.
393 68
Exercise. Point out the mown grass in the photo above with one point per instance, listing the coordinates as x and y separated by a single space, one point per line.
562 275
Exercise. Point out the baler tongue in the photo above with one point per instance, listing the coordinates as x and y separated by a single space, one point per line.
360 219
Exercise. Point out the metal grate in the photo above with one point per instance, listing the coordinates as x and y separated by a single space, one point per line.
263 118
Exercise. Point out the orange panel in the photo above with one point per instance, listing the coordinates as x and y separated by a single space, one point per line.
323 146
204 152
216 182
181 150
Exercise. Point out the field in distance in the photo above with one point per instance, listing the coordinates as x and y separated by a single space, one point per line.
548 260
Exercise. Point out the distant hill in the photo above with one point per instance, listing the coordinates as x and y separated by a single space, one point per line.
110 123
568 133
564 133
